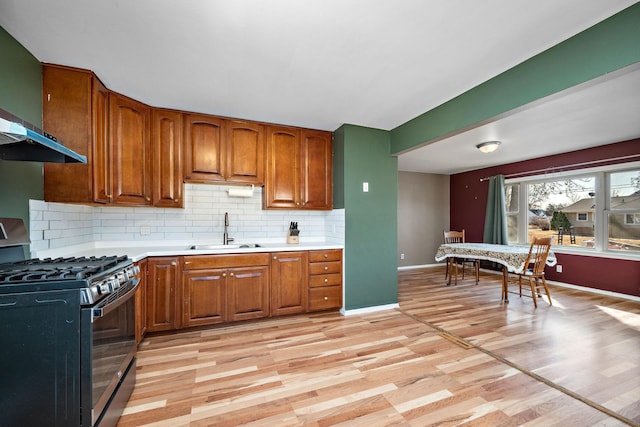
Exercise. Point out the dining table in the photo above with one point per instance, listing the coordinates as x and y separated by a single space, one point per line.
512 258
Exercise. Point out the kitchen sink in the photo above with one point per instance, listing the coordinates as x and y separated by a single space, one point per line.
217 247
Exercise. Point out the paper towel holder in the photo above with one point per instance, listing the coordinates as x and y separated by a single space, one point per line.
241 191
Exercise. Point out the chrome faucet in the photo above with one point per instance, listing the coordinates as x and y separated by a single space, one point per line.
225 237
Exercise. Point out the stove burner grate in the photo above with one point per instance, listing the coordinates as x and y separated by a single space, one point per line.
43 270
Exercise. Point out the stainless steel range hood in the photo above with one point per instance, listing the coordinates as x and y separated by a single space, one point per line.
24 142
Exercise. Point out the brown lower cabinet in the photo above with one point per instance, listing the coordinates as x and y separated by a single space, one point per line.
163 293
224 288
198 290
325 279
289 282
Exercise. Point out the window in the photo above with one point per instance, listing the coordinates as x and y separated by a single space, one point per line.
632 219
592 210
560 208
511 200
623 215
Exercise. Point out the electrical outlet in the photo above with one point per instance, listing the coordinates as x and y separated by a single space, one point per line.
145 230
401 256
558 268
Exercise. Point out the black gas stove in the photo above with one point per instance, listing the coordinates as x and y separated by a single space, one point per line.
96 277
67 335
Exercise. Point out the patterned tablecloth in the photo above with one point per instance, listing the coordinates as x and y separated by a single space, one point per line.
510 256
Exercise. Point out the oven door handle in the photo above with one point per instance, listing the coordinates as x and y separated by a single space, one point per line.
103 310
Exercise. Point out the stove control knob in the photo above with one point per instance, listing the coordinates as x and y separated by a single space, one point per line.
121 277
114 283
135 269
103 288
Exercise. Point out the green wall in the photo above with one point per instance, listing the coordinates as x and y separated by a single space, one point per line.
371 240
21 95
608 46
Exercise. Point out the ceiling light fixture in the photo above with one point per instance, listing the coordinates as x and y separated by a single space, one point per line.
488 147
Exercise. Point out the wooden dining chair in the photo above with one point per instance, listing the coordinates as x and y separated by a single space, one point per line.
534 270
452 263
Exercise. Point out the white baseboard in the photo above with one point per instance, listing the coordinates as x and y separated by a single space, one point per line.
593 290
551 282
414 267
366 310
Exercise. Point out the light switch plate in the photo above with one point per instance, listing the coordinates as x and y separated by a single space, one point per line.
365 187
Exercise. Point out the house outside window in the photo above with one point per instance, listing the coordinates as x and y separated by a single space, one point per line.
632 219
623 210
589 210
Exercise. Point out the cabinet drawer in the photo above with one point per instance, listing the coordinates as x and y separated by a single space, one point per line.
328 255
192 262
325 297
325 267
325 280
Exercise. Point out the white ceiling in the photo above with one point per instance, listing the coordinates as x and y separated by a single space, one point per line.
599 112
323 63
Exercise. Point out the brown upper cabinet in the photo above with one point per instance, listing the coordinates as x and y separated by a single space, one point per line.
113 131
245 152
166 141
139 156
299 169
204 148
130 145
223 150
75 110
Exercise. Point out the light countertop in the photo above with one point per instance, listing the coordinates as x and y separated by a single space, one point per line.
140 250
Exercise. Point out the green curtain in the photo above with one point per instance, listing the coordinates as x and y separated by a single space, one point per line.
495 221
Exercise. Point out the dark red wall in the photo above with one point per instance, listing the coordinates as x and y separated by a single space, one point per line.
469 202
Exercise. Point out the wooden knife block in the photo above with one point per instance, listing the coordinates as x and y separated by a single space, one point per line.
292 240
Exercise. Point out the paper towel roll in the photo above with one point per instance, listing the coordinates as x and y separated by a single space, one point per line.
240 191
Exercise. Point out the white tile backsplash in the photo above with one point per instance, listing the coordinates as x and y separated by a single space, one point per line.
56 225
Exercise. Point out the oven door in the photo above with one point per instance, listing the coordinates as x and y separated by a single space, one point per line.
108 354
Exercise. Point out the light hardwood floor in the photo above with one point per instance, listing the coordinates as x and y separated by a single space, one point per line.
448 356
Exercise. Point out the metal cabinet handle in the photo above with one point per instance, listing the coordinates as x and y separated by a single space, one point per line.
326 298
224 274
326 267
326 255
230 274
326 280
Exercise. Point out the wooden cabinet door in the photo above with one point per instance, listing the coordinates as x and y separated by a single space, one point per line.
248 292
205 297
282 181
205 150
130 145
245 152
163 299
66 114
141 303
289 279
317 170
101 160
166 137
